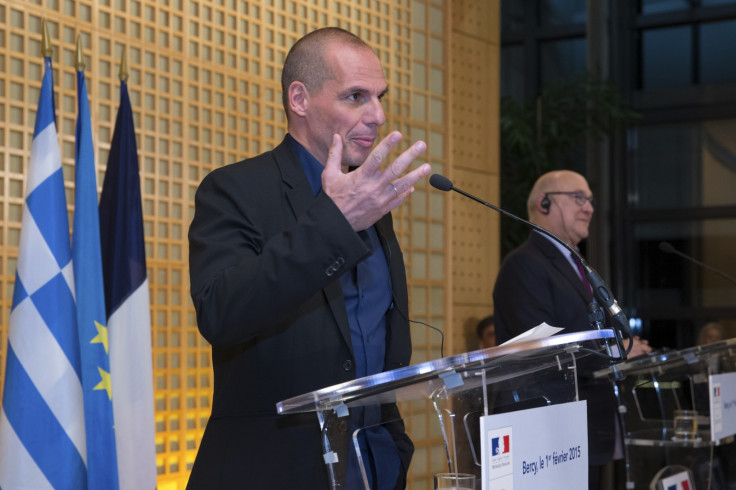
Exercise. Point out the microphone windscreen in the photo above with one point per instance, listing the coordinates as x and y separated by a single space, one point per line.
666 247
440 182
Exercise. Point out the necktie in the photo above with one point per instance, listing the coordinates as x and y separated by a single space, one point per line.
581 273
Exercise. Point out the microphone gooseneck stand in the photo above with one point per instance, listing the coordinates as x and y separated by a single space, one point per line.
668 248
601 293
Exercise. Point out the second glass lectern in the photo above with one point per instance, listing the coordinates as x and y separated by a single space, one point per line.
444 400
678 412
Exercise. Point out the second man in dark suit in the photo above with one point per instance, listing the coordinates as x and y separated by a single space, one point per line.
541 282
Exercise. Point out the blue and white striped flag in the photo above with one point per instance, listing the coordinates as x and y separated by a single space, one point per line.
128 307
42 436
102 467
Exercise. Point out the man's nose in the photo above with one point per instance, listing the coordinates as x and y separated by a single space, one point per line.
374 113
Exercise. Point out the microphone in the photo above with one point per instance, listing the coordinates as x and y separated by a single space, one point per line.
601 292
666 247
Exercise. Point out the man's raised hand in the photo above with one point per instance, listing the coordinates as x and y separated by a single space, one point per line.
367 193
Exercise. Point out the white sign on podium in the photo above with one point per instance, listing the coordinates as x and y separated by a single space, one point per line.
722 405
537 448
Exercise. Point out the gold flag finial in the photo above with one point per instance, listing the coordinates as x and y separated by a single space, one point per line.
80 54
46 49
123 67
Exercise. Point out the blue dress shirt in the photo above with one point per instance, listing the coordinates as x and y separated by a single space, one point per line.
368 293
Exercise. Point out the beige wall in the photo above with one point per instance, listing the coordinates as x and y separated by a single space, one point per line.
204 89
476 167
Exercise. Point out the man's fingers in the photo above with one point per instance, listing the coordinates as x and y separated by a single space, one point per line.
379 153
402 188
407 181
398 166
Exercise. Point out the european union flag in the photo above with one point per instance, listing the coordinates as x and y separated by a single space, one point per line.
102 468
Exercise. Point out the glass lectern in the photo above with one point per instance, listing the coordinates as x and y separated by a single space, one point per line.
446 398
678 412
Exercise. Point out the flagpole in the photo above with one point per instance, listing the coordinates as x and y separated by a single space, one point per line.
80 55
123 72
46 49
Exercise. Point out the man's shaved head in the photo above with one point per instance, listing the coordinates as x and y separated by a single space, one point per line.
306 60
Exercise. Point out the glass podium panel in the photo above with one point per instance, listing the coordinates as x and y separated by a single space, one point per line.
665 405
446 397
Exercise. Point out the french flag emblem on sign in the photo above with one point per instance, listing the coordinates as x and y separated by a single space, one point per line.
680 481
501 445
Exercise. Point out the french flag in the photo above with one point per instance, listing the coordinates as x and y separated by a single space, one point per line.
128 306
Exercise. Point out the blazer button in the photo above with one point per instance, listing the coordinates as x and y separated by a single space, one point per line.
347 365
333 268
342 426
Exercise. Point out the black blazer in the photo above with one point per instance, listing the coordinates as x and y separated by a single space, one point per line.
536 284
265 257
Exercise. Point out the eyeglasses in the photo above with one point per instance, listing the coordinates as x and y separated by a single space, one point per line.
579 196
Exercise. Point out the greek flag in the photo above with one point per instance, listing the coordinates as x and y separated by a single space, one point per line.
42 436
102 468
128 307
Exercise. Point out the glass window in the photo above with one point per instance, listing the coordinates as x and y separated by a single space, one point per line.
561 12
676 166
710 3
659 151
659 6
699 160
666 57
512 71
512 15
562 60
718 166
717 40
673 295
666 279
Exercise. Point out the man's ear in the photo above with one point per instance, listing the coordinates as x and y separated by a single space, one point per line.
543 204
298 98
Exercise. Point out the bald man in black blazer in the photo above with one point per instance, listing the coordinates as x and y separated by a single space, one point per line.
271 242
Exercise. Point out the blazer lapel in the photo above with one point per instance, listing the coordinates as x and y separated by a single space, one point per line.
300 196
297 189
560 262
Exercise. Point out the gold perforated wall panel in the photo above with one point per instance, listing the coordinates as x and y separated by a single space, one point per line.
475 166
204 86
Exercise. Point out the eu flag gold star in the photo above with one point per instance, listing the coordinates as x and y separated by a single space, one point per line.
105 383
101 337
